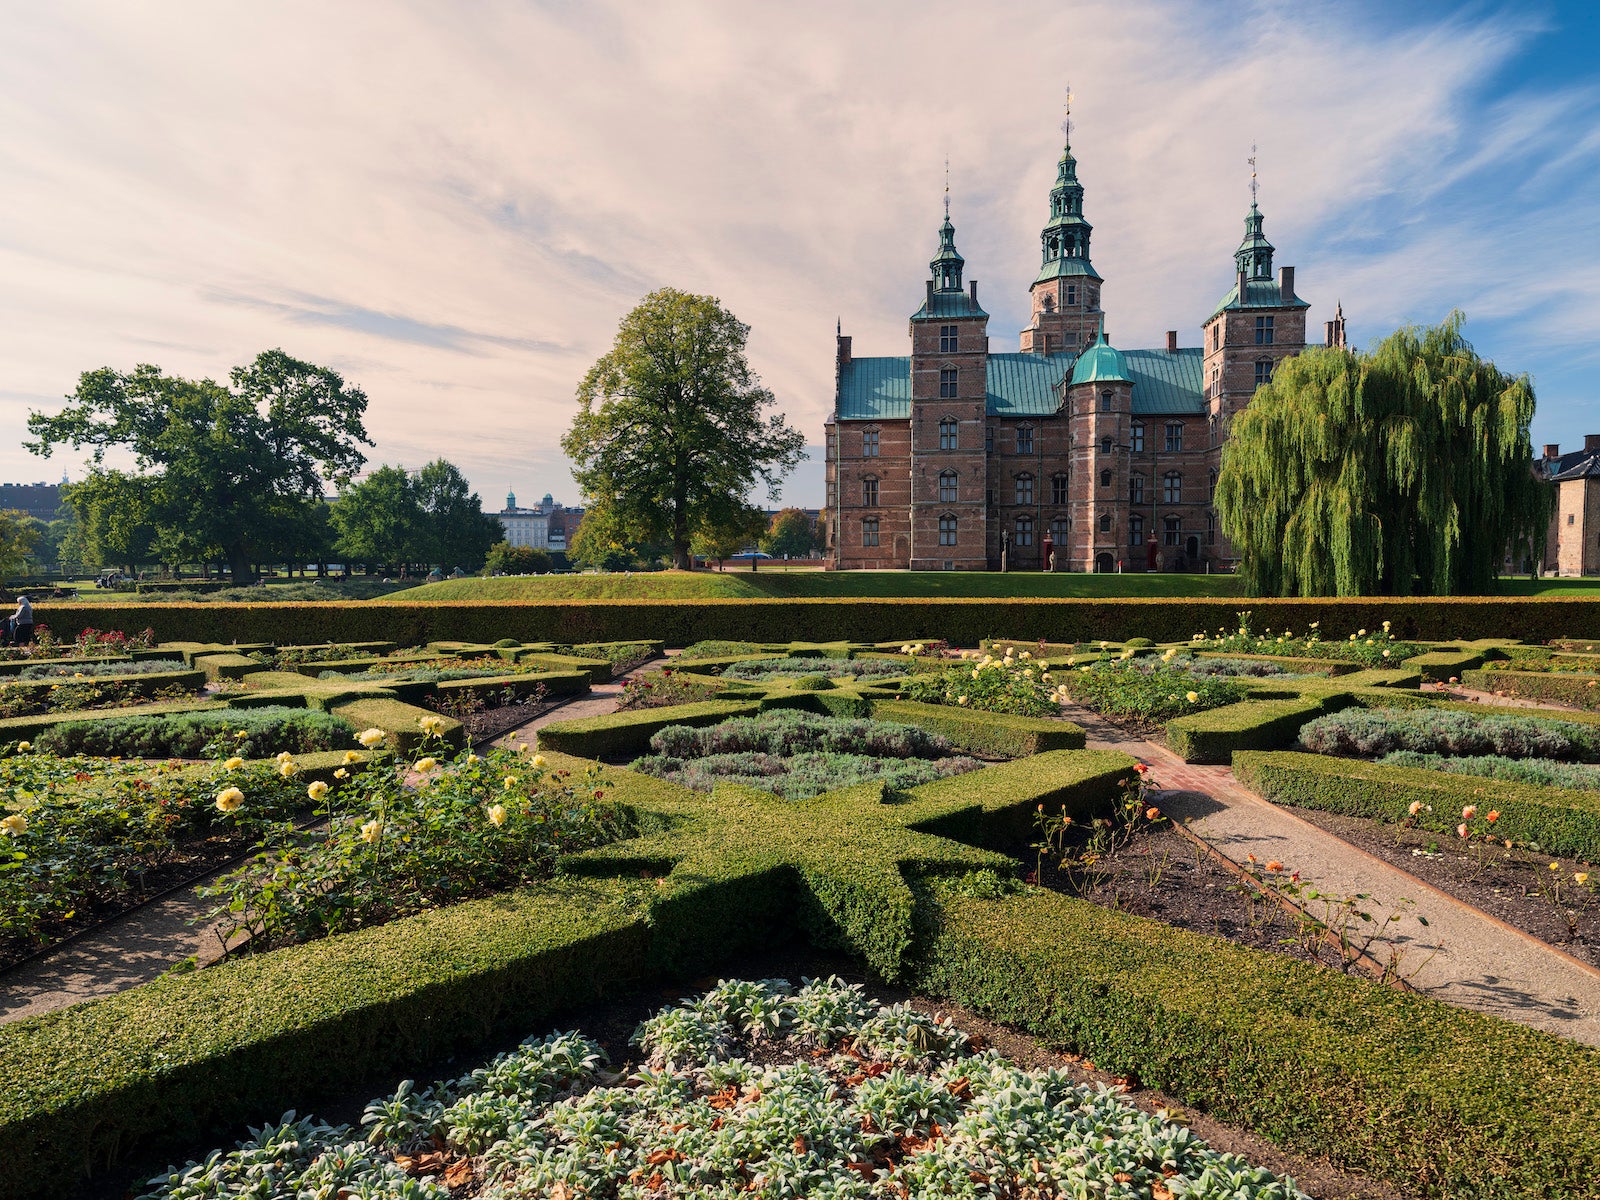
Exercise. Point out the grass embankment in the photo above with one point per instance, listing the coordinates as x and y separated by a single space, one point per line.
764 584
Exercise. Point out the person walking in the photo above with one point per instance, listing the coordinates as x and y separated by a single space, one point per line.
22 623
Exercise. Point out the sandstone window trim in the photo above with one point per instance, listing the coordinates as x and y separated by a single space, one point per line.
949 433
869 531
949 487
947 529
1172 487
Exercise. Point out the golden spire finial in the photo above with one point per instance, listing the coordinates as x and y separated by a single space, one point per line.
946 187
1253 184
1066 125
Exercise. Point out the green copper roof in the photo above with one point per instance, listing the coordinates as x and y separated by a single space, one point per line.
1166 382
1063 268
1258 293
948 304
1026 385
1100 363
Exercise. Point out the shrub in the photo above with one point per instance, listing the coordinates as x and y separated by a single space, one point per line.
96 670
1149 695
995 735
1370 648
269 730
1541 772
799 776
1581 691
1212 737
662 689
839 668
1239 668
1019 686
629 732
712 648
785 732
1372 732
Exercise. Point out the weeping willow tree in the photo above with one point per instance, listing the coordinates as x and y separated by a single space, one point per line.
1407 469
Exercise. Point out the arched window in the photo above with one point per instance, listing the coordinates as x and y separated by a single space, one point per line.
1173 531
1211 485
1024 489
947 487
947 433
1105 478
869 491
1172 487
1105 522
1135 531
947 530
1136 489
1058 489
1263 371
1136 441
1024 531
1105 445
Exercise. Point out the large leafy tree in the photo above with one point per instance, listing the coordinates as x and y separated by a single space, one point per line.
222 463
378 520
1404 469
115 519
671 435
792 533
460 533
19 534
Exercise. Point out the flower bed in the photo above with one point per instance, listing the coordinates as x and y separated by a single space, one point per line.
89 643
1370 648
761 669
663 689
1018 685
755 1087
796 754
79 691
269 730
1147 694
1375 732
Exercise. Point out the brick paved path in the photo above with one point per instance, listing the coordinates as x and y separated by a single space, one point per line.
1464 956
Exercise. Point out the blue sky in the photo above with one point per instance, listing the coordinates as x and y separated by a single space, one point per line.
454 205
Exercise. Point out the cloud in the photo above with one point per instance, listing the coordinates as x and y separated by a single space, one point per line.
454 207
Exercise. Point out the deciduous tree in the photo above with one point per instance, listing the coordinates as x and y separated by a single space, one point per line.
792 534
670 435
1405 469
222 462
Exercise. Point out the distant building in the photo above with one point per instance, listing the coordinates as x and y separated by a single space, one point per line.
1572 545
546 526
41 500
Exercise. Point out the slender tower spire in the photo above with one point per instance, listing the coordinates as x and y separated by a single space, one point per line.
1066 291
1253 258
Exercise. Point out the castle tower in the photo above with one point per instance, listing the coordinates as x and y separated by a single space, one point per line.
1066 292
949 395
1099 410
1257 325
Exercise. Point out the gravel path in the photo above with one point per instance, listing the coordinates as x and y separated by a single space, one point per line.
1463 956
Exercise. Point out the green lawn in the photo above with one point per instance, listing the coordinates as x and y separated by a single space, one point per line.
656 585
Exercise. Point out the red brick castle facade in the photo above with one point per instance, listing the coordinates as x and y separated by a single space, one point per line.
954 456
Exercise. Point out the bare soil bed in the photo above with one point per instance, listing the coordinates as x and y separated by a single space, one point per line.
1514 886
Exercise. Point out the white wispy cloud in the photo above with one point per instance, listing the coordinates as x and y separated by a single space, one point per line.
454 205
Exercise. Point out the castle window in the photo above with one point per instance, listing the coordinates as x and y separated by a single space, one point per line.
947 487
947 383
947 434
1105 401
1135 531
947 530
869 491
1072 294
1105 478
1211 529
1024 531
869 443
1174 531
988 438
1216 381
869 532
1172 487
1211 485
1058 530
1263 371
1024 489
948 336
1174 437
1105 522
1058 489
1137 440
1136 489
1025 440
1105 445
1263 331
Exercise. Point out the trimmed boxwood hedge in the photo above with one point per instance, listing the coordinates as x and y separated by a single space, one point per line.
962 621
1388 1082
398 719
25 728
630 732
130 685
1213 736
1437 666
1560 820
1579 690
998 734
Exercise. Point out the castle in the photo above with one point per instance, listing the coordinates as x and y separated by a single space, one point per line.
1070 454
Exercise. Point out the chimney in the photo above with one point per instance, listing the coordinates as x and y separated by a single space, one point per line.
844 349
1241 288
1286 283
1327 333
930 293
1172 341
973 285
1552 450
1591 442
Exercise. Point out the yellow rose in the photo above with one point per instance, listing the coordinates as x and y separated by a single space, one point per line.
233 764
371 830
15 825
511 781
288 768
961 699
371 738
497 814
242 734
317 790
538 760
229 799
424 765
430 724
1192 697
284 756
24 747
341 773
350 756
